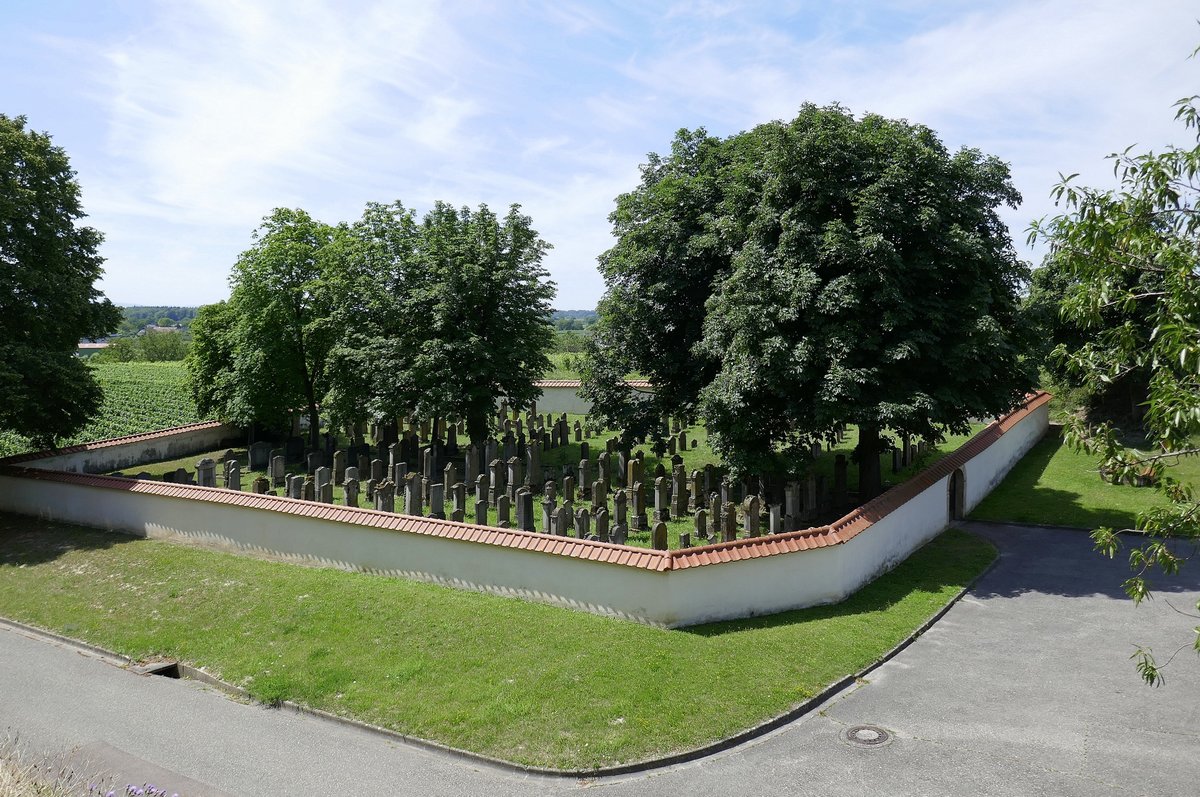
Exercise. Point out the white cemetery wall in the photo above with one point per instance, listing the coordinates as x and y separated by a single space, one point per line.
129 452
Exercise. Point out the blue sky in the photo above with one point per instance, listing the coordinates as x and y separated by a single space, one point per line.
188 121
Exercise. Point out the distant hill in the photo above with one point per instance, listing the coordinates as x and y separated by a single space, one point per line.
574 319
136 317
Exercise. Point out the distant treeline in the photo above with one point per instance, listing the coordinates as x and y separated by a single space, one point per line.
574 319
136 318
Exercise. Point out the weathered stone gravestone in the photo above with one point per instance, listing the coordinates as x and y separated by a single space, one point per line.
658 537
385 496
503 512
525 510
278 471
309 489
412 495
235 475
601 518
751 520
325 493
260 455
339 466
437 501
351 489
583 524
316 459
261 485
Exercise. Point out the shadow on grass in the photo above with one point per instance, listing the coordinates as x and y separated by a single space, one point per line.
952 560
1022 498
28 540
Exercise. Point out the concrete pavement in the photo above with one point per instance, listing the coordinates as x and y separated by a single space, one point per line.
1024 688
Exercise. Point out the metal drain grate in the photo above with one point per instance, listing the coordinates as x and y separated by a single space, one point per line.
868 736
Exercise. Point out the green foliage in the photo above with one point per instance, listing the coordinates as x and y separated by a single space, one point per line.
48 300
135 318
138 397
439 318
810 274
152 347
1130 253
263 354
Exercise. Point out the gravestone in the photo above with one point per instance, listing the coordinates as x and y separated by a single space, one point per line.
503 507
437 501
261 485
339 466
278 471
774 519
599 495
481 513
585 478
601 520
260 455
377 472
325 493
700 525
751 520
658 537
569 490
729 523
525 510
322 476
516 477
351 489
315 460
685 541
662 500
308 489
385 496
400 473
182 476
235 475
412 496
679 492
481 494
548 508
583 524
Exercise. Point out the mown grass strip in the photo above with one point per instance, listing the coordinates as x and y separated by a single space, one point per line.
1054 485
529 683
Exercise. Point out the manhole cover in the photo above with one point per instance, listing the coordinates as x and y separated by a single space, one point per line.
868 736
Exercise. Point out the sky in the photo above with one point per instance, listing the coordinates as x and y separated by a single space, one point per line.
188 121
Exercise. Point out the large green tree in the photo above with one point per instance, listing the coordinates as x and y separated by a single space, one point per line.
1131 254
49 265
440 317
261 356
809 274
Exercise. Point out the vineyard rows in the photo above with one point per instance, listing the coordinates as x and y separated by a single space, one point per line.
138 397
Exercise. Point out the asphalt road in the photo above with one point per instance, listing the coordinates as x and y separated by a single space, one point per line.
1025 687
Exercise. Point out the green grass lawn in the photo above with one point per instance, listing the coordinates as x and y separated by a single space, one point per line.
1054 485
526 682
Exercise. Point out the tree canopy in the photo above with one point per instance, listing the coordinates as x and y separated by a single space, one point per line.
379 319
446 315
1130 256
49 265
262 355
808 274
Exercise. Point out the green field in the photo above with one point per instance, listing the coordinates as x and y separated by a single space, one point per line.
138 397
522 681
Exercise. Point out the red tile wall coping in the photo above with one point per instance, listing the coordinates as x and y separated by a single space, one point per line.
116 441
836 533
577 383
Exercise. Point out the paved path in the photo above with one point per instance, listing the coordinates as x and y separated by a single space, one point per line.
1023 688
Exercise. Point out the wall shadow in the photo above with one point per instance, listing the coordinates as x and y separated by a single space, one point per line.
26 540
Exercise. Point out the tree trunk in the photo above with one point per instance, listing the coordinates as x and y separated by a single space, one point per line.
870 479
314 425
